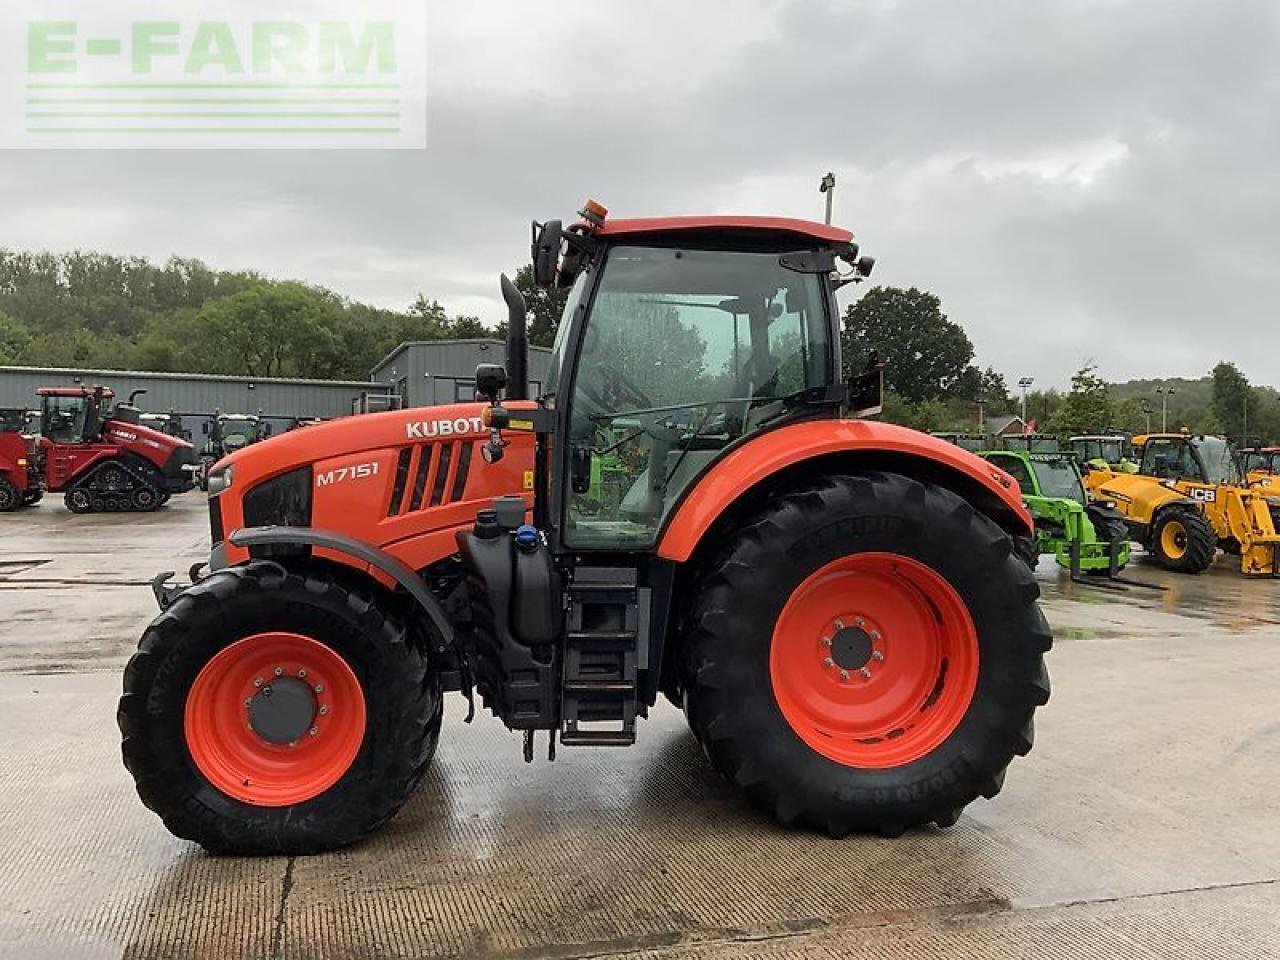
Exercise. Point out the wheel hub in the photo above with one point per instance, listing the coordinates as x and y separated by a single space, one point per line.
851 648
282 711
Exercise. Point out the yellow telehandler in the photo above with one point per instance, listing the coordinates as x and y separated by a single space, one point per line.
1186 485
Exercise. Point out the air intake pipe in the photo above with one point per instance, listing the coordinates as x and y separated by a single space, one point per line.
517 341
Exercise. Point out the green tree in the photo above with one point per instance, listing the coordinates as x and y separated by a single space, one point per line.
14 340
545 307
925 354
1235 403
1087 408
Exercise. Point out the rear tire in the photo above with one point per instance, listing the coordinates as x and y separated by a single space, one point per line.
1182 540
32 497
946 564
10 497
165 725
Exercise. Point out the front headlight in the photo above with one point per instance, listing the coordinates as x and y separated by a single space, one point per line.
219 480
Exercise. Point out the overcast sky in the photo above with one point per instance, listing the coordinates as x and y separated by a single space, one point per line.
1074 178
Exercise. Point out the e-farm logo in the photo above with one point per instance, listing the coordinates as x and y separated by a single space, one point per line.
177 73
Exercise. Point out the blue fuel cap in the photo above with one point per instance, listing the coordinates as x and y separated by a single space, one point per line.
527 536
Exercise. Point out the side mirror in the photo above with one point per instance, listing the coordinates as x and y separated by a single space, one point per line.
866 390
491 380
546 253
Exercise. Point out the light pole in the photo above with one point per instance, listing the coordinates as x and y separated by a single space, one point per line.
1165 393
1146 412
1025 383
828 186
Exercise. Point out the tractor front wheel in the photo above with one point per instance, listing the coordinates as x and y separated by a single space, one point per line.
1183 540
866 654
33 496
268 712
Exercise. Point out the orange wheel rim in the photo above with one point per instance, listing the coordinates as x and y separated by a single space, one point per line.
282 752
874 660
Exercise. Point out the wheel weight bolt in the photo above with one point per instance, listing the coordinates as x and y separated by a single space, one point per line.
279 671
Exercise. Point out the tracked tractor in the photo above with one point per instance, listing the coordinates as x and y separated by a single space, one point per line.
1081 535
103 459
1204 471
835 603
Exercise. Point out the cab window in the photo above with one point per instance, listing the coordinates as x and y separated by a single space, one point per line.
63 420
685 352
1016 467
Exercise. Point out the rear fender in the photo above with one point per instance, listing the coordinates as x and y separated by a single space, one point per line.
829 446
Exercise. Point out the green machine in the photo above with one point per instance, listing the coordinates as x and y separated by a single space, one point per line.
1084 537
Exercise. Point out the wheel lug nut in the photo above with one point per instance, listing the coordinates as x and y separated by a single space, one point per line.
302 674
324 709
858 622
313 731
844 674
319 688
826 641
877 655
865 672
257 681
875 634
279 671
828 662
248 703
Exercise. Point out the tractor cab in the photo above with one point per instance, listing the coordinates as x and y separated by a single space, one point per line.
1030 443
1104 452
974 443
1260 464
73 415
1197 460
229 432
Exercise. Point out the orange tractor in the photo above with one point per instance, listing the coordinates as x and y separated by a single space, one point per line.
836 604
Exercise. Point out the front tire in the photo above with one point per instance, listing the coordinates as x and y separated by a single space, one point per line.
1183 540
10 497
335 752
866 654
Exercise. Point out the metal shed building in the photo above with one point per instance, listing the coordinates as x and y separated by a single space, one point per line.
195 393
431 372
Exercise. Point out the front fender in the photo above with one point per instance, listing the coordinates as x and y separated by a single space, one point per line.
362 553
851 444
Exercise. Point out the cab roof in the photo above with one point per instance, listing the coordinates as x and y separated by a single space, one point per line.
73 391
807 229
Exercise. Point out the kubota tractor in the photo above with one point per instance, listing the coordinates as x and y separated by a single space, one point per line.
835 603
105 460
1199 478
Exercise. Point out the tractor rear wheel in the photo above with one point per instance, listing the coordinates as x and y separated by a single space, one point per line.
1183 540
10 496
866 654
268 712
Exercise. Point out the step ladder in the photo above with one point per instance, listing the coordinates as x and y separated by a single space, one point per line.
606 645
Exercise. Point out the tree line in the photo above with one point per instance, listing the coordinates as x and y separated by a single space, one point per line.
104 311
96 310
933 383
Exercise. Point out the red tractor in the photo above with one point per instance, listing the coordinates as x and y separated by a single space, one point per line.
106 460
19 462
691 507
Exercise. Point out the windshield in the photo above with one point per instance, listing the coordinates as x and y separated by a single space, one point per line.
1059 479
1219 460
562 336
684 352
1107 450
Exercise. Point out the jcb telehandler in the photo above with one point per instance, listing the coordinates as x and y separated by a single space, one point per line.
1188 499
835 603
1261 466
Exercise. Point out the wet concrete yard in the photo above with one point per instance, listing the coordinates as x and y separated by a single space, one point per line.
1144 823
